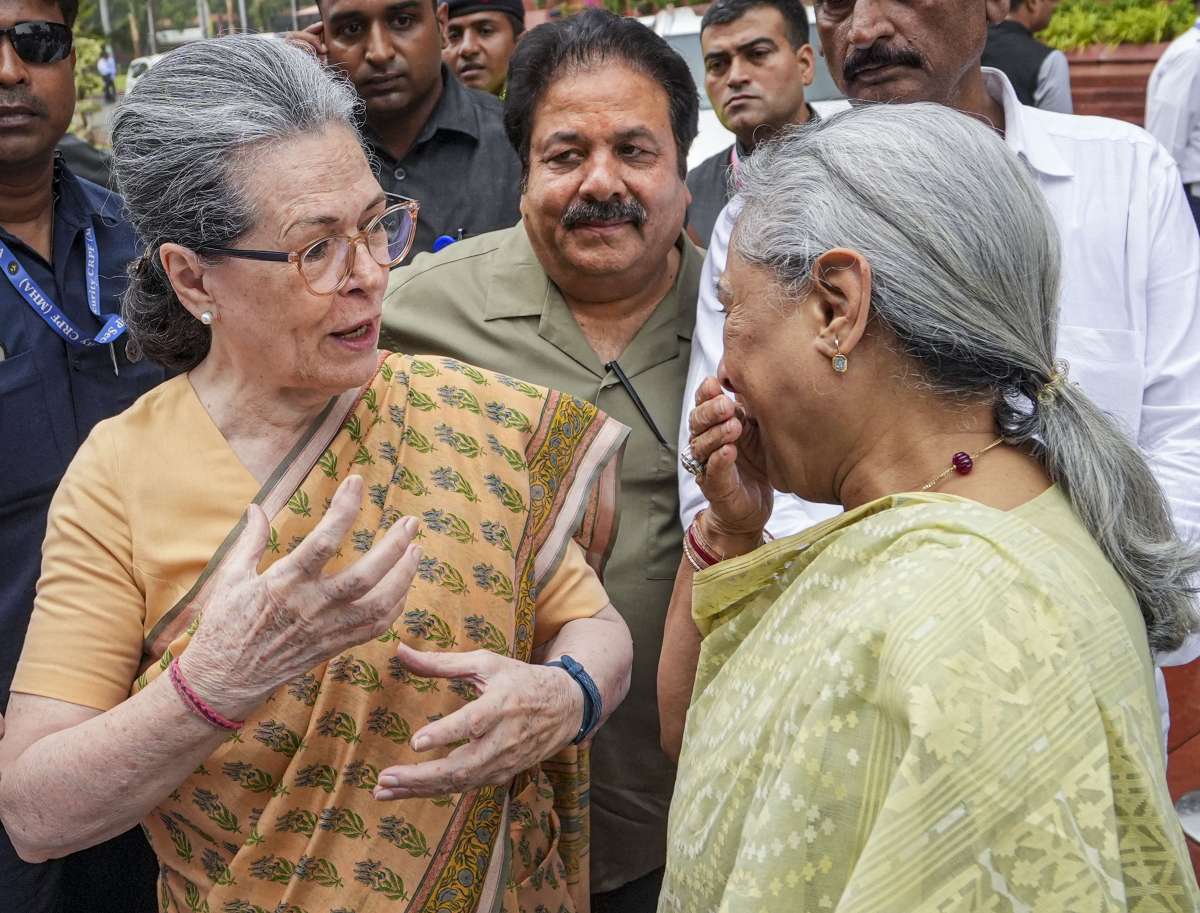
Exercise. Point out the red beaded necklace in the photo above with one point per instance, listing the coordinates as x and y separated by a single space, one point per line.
961 463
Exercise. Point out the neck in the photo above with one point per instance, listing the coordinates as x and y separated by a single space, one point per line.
611 313
398 131
1020 19
27 201
971 97
261 421
764 132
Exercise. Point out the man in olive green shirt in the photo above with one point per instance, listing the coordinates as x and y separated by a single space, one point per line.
593 293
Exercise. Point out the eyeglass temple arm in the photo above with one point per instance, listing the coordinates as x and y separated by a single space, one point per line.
270 256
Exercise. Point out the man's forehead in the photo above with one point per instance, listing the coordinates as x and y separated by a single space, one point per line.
27 10
480 16
369 8
756 22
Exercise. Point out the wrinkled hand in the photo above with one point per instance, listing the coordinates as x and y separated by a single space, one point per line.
523 715
312 39
259 631
734 480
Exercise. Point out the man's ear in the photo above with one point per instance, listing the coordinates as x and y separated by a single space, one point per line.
841 297
996 10
805 57
185 271
443 23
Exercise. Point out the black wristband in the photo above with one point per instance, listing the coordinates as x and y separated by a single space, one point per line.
593 703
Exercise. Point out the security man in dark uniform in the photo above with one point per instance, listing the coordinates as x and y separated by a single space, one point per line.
64 249
434 139
1039 74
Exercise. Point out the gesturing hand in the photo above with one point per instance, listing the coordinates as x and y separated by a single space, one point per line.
734 479
259 631
523 715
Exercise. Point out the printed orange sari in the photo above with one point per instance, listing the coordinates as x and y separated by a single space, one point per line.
503 475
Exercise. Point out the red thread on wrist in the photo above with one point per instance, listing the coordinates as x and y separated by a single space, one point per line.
197 704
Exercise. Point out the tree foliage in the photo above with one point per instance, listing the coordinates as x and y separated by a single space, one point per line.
1078 23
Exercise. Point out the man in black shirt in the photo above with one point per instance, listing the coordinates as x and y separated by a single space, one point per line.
64 247
757 61
433 139
1038 73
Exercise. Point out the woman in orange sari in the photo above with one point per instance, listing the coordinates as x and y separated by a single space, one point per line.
372 687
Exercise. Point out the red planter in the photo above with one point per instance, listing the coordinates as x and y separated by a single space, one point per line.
1111 81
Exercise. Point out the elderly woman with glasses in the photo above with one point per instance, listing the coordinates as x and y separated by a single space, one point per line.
942 699
327 621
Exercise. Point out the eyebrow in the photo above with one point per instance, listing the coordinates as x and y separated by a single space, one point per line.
328 219
741 48
353 15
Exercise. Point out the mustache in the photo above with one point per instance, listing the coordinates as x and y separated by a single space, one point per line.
19 97
880 55
606 211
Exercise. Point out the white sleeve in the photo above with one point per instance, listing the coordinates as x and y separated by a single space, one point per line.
1053 92
791 514
1169 103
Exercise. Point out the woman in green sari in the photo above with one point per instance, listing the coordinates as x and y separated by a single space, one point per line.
326 621
943 698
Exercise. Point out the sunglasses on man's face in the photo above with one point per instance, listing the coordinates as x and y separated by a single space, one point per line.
39 42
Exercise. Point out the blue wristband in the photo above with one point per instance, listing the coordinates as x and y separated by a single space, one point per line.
593 703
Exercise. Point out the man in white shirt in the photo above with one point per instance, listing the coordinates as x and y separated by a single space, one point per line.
1173 109
1129 326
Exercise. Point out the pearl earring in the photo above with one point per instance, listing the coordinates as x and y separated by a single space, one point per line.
840 362
207 318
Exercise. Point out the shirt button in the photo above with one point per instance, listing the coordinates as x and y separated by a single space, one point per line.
399 174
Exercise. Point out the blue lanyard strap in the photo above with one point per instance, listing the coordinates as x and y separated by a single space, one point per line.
44 306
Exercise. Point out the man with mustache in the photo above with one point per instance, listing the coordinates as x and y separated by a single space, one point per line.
1129 327
64 250
757 61
594 291
433 139
481 37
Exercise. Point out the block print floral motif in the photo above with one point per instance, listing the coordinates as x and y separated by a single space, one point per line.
458 398
428 626
354 428
409 481
318 870
421 402
319 776
215 868
464 689
217 811
297 821
398 832
457 441
486 634
362 456
360 775
278 738
520 386
273 540
390 725
299 505
329 464
490 580
179 840
272 868
377 494
397 670
423 368
339 725
305 689
396 414
370 399
510 456
467 371
507 417
432 570
362 539
249 777
241 906
496 534
387 452
508 496
191 897
417 441
357 672
343 821
448 479
379 878
448 524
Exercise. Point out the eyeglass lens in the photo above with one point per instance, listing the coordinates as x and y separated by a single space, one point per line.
40 42
326 264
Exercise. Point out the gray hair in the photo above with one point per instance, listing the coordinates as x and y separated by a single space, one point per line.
964 257
181 141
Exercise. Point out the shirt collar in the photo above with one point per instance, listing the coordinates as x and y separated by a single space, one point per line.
1021 131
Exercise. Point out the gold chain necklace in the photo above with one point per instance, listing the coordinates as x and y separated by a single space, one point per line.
962 463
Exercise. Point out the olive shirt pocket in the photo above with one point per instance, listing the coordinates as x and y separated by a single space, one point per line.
663 533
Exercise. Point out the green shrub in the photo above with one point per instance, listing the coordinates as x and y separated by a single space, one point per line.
1078 23
87 54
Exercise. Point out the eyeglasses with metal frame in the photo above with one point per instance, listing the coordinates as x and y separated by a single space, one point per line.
326 264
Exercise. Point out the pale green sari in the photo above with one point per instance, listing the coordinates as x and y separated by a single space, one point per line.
924 705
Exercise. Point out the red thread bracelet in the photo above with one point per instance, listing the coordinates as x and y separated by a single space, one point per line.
197 704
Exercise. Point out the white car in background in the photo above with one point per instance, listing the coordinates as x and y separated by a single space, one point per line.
138 67
681 29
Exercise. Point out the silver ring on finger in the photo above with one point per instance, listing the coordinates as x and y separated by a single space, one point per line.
691 464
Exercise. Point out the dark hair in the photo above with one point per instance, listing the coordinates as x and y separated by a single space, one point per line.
589 39
795 16
69 10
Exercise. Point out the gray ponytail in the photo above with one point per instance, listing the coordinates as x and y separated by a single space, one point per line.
965 278
180 143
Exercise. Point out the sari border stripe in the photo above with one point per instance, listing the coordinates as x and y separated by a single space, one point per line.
291 470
